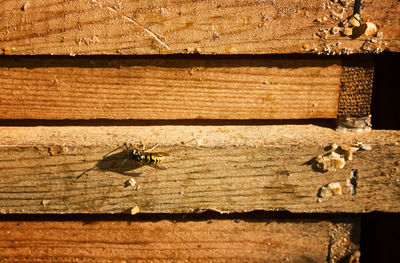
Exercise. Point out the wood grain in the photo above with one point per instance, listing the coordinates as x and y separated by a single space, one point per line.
206 27
216 240
220 168
169 88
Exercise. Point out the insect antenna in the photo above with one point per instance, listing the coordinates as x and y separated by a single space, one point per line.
152 148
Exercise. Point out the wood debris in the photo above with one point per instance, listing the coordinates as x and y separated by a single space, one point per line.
135 210
130 182
330 162
57 150
45 202
25 6
330 190
337 156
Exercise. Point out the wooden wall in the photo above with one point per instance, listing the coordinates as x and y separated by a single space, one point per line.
241 99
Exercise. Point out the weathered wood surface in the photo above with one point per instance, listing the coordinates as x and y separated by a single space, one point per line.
207 27
169 88
221 168
214 240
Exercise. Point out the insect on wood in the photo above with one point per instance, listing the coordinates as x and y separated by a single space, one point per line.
144 157
139 156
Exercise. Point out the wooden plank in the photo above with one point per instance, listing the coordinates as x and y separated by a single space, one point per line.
206 27
214 240
169 88
220 168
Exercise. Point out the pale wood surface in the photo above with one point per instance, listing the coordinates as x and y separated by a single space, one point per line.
216 240
169 88
207 27
221 168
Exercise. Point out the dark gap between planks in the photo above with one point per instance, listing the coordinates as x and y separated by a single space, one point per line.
254 216
180 61
385 90
329 123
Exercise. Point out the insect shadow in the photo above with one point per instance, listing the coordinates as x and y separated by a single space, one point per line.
314 165
117 163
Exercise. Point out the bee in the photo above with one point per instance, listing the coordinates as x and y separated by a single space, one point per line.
144 157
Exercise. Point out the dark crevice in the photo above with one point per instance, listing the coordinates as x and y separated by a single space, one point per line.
254 216
379 237
385 92
329 123
169 61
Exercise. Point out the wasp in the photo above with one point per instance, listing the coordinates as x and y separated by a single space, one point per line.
140 156
144 157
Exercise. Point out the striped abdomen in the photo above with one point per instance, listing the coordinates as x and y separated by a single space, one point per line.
153 158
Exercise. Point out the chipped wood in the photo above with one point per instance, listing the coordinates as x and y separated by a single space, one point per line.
221 168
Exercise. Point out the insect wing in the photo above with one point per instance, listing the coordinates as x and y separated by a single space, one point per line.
162 153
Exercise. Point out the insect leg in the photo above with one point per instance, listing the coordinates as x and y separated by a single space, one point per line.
85 172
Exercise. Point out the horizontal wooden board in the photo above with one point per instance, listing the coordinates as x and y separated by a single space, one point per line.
220 168
169 88
214 240
206 27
